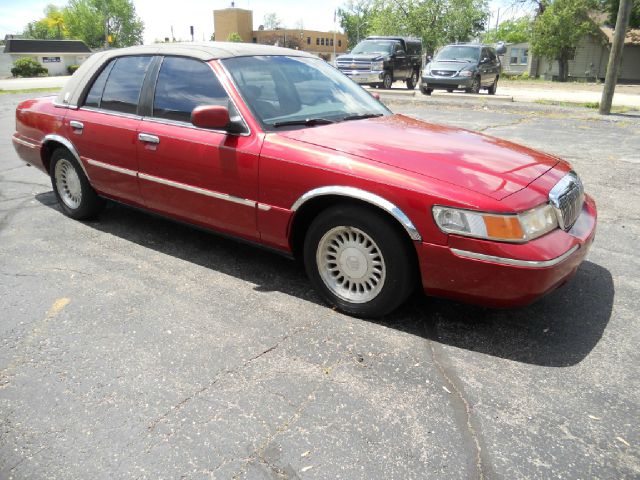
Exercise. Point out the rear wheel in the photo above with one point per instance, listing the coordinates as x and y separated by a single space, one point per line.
450 90
72 189
426 90
387 80
413 80
358 261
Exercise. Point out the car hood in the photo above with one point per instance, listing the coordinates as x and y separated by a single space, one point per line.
361 57
450 66
474 161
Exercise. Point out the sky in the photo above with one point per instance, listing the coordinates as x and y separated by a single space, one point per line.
315 15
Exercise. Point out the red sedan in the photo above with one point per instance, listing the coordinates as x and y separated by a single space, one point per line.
276 147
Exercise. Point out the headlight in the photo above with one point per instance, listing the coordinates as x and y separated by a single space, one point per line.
379 65
427 69
491 226
465 73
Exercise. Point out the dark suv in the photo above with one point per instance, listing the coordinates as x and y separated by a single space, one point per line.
468 67
380 61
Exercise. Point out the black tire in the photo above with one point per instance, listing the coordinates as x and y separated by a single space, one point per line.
450 90
492 89
475 86
89 204
412 81
399 277
387 80
426 90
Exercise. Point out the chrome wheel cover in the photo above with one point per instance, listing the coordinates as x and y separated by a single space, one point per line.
351 264
68 183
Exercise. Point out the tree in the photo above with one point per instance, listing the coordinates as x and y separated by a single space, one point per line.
94 20
510 31
558 30
272 21
436 22
611 8
234 37
355 19
48 28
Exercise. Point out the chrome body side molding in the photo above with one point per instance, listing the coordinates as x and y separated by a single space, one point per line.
113 168
514 261
202 191
365 196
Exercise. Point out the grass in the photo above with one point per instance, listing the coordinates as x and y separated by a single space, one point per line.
592 105
31 90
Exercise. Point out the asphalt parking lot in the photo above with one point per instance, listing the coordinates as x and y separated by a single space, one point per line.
133 347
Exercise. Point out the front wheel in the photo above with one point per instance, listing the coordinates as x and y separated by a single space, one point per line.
358 261
387 80
413 80
475 86
72 189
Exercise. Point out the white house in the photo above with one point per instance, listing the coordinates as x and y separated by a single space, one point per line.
54 55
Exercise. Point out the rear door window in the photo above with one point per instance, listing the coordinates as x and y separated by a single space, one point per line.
184 84
122 90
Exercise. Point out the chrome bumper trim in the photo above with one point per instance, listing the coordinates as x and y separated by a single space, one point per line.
514 261
25 143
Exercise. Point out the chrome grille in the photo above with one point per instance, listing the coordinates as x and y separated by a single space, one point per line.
567 198
443 73
354 65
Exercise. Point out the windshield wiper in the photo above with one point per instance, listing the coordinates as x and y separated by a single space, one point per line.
360 116
306 121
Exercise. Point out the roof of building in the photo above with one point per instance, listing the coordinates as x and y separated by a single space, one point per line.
631 38
22 45
70 93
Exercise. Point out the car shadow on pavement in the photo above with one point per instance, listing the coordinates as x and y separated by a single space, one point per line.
558 330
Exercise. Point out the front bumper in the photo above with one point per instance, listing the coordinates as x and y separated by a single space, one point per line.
364 76
506 275
429 81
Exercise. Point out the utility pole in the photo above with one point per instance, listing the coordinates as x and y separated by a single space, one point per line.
615 57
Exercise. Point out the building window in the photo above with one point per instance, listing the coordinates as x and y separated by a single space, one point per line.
317 41
322 41
326 41
50 59
572 54
308 40
255 39
332 42
519 56
339 43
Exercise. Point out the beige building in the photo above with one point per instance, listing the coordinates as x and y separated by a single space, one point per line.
237 20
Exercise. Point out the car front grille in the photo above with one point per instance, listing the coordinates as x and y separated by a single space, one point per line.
567 198
354 66
443 73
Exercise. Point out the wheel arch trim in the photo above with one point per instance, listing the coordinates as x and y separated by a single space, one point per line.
52 138
365 196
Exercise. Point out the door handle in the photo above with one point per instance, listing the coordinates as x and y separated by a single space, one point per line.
145 137
76 125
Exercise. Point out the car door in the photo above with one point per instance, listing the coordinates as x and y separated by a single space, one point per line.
203 176
400 62
104 129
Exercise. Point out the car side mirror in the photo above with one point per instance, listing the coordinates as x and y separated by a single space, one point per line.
215 117
485 60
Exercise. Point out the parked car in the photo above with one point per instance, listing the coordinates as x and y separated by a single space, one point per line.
468 67
277 147
380 61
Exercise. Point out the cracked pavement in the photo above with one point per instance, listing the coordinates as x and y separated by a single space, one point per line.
133 347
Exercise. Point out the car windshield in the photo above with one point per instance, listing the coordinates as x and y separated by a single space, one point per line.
373 46
286 91
458 52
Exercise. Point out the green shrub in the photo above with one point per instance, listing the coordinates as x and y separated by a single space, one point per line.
72 69
28 67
